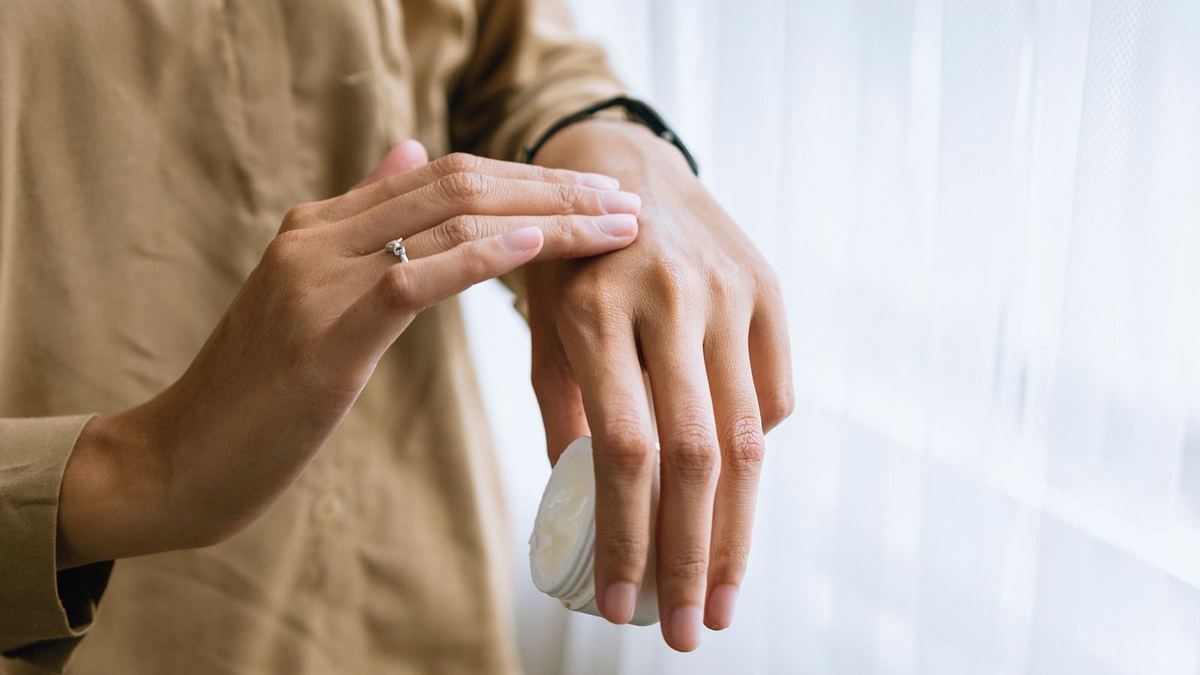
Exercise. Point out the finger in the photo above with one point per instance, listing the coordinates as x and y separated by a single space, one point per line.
560 402
372 194
603 355
404 156
739 430
563 236
377 318
474 194
770 357
690 461
554 384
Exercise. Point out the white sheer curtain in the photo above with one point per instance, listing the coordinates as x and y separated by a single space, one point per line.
986 216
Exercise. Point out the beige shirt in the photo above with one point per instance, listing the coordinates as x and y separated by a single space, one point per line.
148 150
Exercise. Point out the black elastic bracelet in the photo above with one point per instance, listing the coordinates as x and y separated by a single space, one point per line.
635 110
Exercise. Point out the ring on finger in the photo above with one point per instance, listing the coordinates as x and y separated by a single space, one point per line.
396 248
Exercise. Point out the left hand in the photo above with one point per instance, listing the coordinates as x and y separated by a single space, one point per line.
209 454
693 304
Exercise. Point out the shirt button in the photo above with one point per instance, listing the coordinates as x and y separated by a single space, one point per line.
329 508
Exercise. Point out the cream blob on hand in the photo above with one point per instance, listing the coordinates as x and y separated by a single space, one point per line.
562 546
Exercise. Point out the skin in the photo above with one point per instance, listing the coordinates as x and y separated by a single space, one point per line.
694 308
690 307
204 458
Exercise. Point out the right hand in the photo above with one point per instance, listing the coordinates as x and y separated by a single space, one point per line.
208 455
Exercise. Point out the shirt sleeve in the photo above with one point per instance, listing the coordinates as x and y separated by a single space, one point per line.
43 613
529 70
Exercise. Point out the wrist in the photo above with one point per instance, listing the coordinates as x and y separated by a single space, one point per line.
111 502
624 149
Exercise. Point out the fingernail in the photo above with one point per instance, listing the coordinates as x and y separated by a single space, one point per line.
620 599
721 601
683 626
520 241
599 181
414 152
617 224
620 202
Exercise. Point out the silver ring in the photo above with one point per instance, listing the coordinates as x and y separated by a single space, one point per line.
396 248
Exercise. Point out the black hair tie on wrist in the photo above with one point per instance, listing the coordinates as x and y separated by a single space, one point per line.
635 111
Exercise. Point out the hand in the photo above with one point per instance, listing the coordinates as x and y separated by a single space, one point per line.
695 306
205 457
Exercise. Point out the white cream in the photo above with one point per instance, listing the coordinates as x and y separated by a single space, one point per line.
561 548
565 517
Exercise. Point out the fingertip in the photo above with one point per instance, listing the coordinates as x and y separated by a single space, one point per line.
599 181
591 236
527 240
721 601
681 628
618 225
411 153
620 201
405 155
619 602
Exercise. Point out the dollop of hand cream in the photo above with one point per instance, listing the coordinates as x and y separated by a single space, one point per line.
562 546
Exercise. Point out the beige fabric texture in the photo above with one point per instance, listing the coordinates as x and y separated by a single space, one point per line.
148 150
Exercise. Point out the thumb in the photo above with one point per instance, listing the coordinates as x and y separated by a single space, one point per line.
403 156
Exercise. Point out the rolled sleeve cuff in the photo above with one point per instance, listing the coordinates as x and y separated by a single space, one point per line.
44 613
527 126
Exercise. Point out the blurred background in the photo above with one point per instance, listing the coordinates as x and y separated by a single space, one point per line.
986 218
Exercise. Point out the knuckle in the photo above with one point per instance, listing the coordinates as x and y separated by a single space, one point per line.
767 282
397 287
687 563
562 228
299 216
675 286
625 449
567 198
731 554
286 247
460 229
778 405
464 189
694 467
746 446
456 162
623 548
692 455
